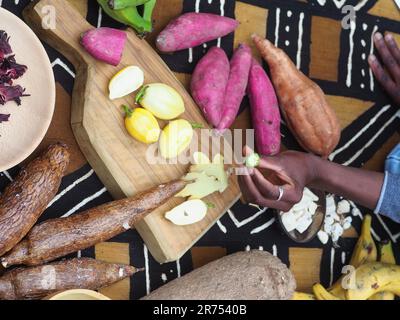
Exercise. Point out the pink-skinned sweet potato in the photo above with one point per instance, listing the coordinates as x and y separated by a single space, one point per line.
236 89
208 85
303 103
193 29
264 111
105 44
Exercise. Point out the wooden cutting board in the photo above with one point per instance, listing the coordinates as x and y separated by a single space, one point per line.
97 122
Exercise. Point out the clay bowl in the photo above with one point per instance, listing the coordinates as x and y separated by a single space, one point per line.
318 220
78 294
29 122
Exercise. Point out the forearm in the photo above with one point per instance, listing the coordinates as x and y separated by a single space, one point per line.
361 186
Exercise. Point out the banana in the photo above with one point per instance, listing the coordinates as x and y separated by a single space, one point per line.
384 295
374 277
386 256
303 296
364 251
129 16
337 290
393 288
386 252
322 294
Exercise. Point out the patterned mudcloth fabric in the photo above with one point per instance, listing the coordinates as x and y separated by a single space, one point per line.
311 32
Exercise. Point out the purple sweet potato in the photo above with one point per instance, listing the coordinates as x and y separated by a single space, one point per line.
264 111
237 84
193 29
208 85
105 44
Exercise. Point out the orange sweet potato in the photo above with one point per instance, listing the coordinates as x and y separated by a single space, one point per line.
303 103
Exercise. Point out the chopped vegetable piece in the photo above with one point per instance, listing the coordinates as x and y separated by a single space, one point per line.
125 82
215 169
202 186
4 117
105 44
187 213
253 160
210 205
5 48
11 70
11 93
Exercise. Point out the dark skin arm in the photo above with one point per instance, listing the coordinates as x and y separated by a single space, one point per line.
295 170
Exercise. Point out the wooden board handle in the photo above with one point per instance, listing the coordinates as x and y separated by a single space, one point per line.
59 24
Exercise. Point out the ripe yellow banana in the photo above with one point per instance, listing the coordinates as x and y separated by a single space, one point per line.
386 253
322 294
364 251
386 256
374 277
303 296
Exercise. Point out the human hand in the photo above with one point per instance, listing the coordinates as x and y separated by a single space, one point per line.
291 170
388 74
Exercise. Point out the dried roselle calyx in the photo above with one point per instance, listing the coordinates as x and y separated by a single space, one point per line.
5 48
11 70
4 117
11 93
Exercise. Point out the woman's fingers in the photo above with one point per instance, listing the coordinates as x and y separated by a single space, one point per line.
388 60
266 188
393 47
247 151
245 191
383 77
252 195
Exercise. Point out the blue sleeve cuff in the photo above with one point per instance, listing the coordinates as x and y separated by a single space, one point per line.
383 192
389 200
